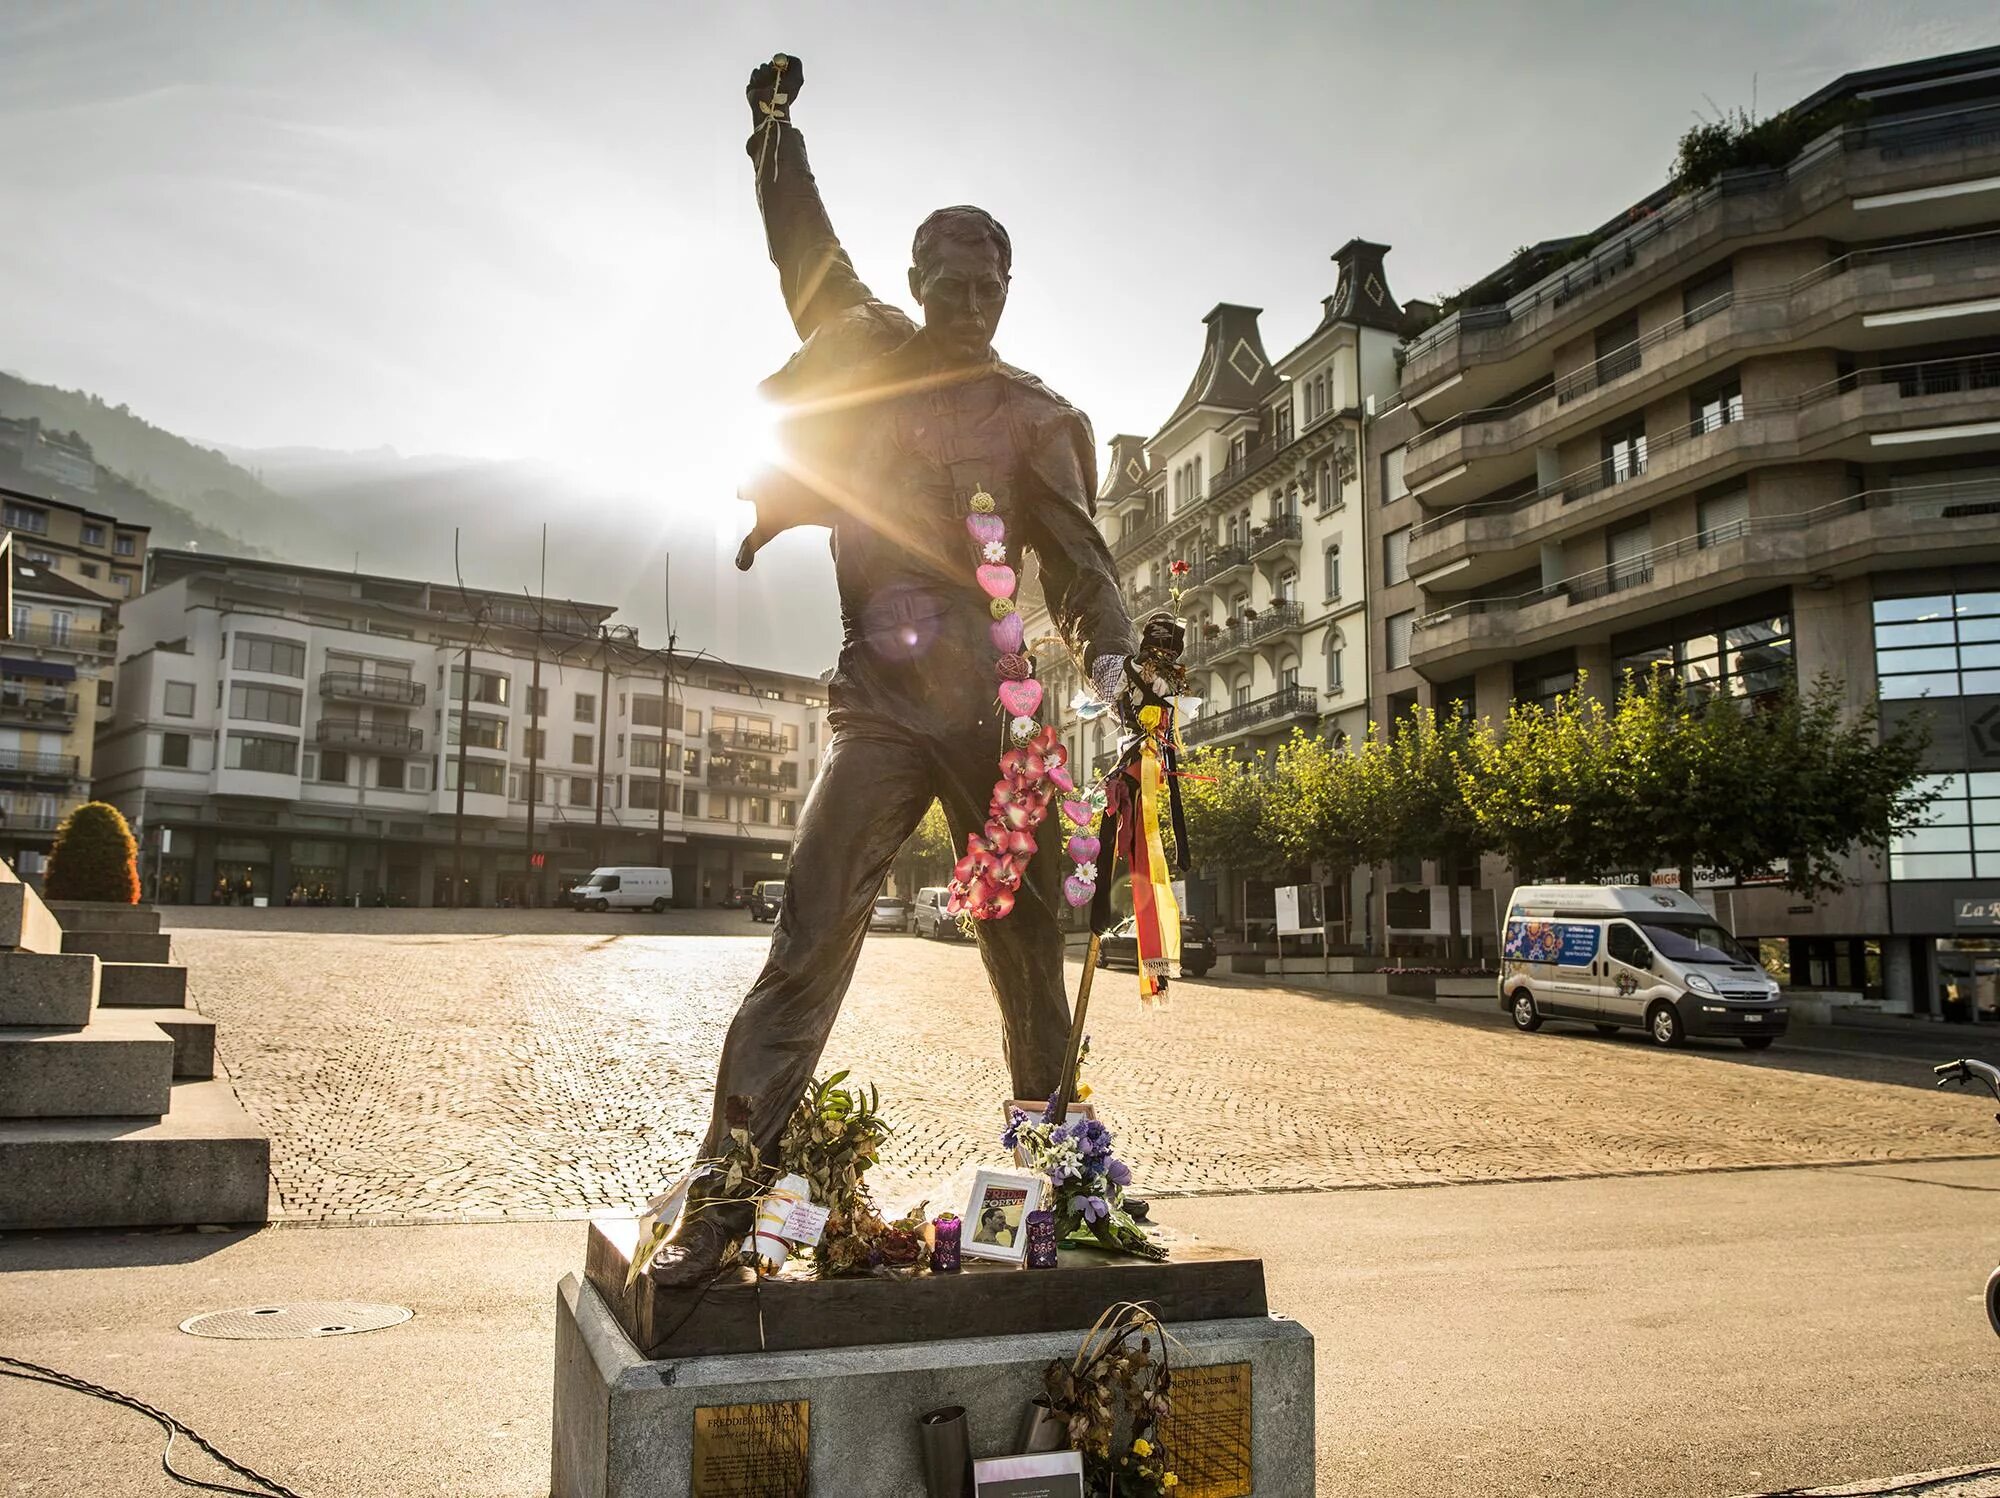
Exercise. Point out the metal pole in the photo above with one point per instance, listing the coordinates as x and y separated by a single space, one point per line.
529 883
1066 1090
666 695
458 815
603 708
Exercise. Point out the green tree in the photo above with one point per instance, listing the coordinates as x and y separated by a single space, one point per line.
1231 811
94 857
1321 810
1417 790
1544 793
927 854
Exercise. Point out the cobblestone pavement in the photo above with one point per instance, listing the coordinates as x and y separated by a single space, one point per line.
433 1074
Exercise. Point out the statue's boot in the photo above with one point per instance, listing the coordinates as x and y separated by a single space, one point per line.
702 1244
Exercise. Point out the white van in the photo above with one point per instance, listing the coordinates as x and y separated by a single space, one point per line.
625 889
1618 956
929 916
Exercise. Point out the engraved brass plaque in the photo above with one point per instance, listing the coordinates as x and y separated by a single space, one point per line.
751 1451
1208 1433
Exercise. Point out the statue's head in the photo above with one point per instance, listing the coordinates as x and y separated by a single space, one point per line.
960 263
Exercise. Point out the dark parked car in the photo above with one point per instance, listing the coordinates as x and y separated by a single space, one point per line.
1121 946
891 913
737 898
767 898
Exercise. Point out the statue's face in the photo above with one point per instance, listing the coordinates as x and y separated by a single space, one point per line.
963 291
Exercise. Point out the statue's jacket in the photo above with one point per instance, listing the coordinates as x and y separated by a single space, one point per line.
888 454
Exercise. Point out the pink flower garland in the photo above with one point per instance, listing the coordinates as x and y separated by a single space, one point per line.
985 881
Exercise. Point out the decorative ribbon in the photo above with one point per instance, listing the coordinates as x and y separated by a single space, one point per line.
773 110
1156 918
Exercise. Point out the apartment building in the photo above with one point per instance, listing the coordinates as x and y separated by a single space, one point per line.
1749 430
56 684
101 552
1257 482
303 735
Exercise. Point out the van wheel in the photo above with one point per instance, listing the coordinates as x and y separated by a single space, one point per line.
1758 1042
659 907
600 906
1526 1015
1993 1300
1663 1023
1604 1029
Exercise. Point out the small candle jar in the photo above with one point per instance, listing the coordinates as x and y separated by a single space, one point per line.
944 1244
1041 1240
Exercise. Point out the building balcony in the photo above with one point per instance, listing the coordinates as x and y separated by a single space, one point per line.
1861 532
1281 533
1215 567
1144 533
1277 710
1870 298
352 686
37 707
761 743
731 777
1918 409
1849 184
383 738
17 820
49 637
16 764
1243 634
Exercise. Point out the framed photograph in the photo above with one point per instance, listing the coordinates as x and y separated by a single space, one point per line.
996 1218
1035 1111
1048 1474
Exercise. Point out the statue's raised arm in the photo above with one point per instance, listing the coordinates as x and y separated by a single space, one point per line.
817 277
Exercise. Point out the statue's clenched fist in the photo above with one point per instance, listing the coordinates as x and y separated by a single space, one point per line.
773 87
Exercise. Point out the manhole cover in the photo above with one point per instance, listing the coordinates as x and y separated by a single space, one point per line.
313 1318
391 1164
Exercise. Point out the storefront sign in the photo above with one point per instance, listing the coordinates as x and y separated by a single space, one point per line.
751 1451
1208 1433
1976 912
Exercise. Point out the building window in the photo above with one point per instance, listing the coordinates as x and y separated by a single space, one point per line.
586 707
1747 652
419 777
1399 629
757 809
125 583
646 712
788 814
580 787
86 569
692 802
269 656
104 693
538 702
174 751
582 748
1336 655
93 535
645 754
718 808
1396 557
61 622
1717 406
1724 517
690 761
256 751
1288 677
1393 487
23 615
1713 293
1333 572
389 774
488 687
1539 682
256 704
1288 586
535 743
127 546
1625 453
481 732
20 518
178 699
483 777
1618 348
333 766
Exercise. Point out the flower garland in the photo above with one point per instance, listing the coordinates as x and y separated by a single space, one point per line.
985 882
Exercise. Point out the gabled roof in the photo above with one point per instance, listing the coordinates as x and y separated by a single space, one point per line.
1125 474
46 582
1361 296
1235 373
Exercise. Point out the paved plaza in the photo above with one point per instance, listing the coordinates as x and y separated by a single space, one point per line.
422 1073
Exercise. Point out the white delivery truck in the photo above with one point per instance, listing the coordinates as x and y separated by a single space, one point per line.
1624 956
625 889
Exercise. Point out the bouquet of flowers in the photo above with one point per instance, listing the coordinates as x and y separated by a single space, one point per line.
1086 1181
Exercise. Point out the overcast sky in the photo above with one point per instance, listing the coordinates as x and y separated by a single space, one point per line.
528 229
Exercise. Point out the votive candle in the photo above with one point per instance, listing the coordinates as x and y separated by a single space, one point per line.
944 1244
1041 1240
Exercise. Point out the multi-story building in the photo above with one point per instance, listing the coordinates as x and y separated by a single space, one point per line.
303 734
1749 430
56 684
103 553
1257 482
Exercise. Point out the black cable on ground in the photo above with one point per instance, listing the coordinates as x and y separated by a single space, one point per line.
35 1373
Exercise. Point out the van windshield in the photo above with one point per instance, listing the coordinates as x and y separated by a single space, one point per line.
601 881
1704 942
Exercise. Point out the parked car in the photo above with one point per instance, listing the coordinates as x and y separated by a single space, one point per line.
1121 945
624 889
737 897
767 898
931 918
1618 957
891 913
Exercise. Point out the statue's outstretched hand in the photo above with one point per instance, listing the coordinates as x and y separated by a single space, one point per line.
773 87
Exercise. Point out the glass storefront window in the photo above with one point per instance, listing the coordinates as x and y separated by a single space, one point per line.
1944 648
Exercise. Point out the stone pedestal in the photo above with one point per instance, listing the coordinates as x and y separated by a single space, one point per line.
868 1356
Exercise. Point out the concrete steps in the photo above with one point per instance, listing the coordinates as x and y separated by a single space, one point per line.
26 924
120 1065
202 1160
101 915
142 985
193 1036
120 946
48 990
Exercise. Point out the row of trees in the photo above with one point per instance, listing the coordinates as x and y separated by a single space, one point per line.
1579 790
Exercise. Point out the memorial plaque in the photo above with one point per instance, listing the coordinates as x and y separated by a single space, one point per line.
1208 1433
751 1451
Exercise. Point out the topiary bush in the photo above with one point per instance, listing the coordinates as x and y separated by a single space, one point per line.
94 857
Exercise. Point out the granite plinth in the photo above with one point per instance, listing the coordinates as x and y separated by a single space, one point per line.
794 1312
624 1424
